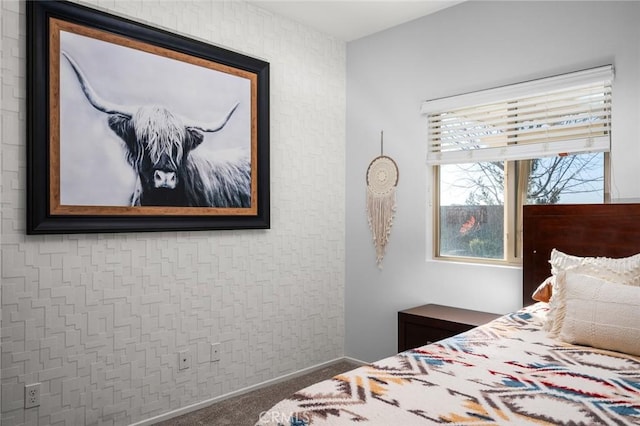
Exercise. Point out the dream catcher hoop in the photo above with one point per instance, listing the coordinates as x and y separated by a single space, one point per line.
382 179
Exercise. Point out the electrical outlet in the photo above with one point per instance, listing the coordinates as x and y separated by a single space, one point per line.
184 360
32 395
215 352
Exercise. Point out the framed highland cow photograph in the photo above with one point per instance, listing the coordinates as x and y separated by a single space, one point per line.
133 128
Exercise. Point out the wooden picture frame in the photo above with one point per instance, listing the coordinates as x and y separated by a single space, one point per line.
133 128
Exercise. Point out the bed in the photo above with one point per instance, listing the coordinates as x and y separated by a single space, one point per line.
532 366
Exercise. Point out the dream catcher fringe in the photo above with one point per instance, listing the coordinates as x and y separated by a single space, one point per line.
381 210
382 179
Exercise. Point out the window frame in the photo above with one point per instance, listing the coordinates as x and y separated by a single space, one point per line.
455 138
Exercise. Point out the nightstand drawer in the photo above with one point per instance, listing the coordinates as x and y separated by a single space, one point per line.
419 335
430 323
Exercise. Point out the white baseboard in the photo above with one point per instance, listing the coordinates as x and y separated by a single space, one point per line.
211 401
357 361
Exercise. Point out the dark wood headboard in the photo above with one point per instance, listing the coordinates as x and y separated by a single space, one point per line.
611 230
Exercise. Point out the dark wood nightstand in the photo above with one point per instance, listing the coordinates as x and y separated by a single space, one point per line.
429 323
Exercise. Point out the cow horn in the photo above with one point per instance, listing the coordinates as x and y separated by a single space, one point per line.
207 128
95 100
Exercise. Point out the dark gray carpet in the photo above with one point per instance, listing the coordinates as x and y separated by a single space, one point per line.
245 409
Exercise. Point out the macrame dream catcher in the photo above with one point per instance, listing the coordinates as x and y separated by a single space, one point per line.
382 179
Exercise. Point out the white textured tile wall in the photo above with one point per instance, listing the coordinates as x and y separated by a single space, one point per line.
98 319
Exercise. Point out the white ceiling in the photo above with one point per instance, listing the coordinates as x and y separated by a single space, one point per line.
352 19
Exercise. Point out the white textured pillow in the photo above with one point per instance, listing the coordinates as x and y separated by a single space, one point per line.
624 270
598 313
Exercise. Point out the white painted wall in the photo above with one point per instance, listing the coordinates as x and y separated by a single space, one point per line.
99 319
471 46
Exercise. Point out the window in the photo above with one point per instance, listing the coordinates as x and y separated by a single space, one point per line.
540 142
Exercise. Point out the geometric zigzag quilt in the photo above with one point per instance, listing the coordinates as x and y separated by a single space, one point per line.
504 372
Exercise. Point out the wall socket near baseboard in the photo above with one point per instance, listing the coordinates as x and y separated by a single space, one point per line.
215 352
32 395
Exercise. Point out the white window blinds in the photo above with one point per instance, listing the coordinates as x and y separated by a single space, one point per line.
570 113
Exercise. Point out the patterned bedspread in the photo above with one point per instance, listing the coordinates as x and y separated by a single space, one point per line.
505 372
